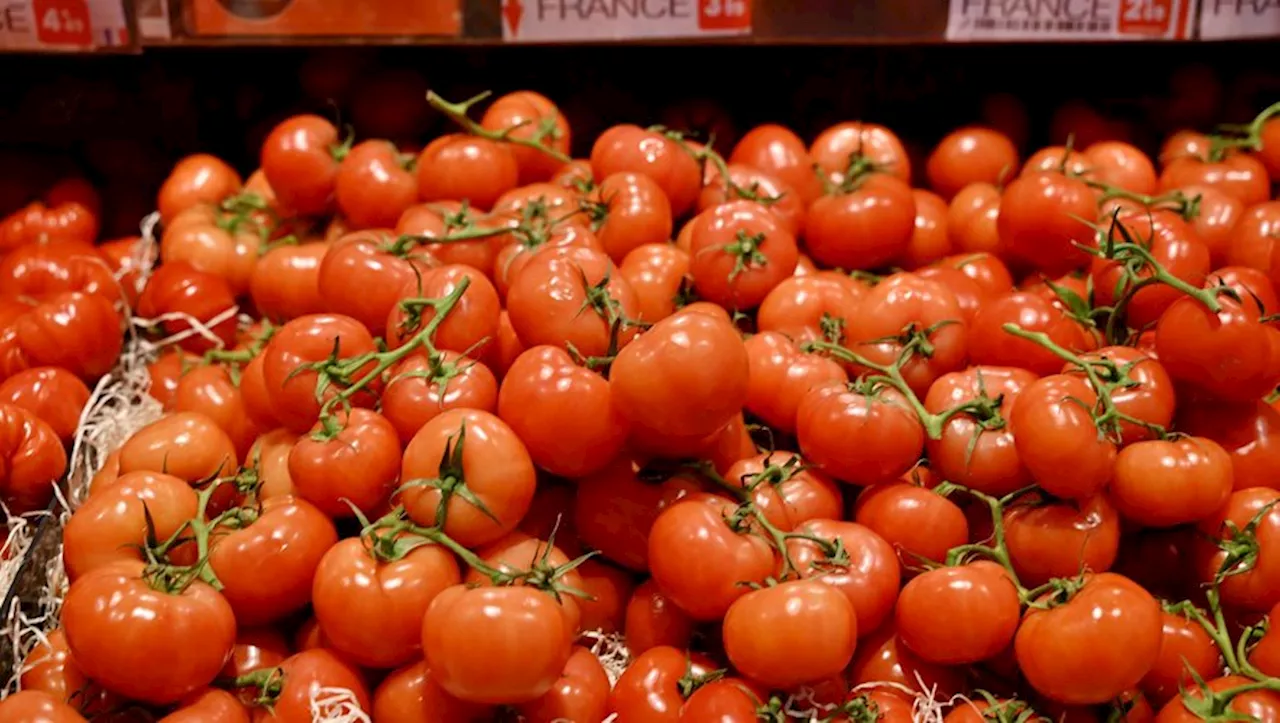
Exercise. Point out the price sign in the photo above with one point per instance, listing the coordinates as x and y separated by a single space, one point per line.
62 22
1226 19
1067 20
567 20
63 25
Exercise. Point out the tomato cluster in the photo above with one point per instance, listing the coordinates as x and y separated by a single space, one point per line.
798 439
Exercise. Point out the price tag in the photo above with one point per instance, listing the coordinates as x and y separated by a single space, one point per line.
63 25
62 22
1225 19
560 20
1068 20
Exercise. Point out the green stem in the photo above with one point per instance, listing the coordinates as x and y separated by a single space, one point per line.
892 375
458 113
998 550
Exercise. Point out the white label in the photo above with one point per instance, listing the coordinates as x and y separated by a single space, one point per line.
557 20
1223 19
1067 19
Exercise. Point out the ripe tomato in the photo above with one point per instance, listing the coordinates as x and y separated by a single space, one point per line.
564 413
1239 174
76 331
178 294
1042 218
979 593
356 468
374 185
1232 354
1248 431
738 253
300 161
1258 705
990 344
1187 653
42 270
1264 654
919 523
286 281
972 219
363 272
215 242
780 376
614 509
700 561
1058 648
469 326
866 228
1061 539
412 695
870 576
686 376
290 385
494 465
527 115
883 660
1172 243
187 445
629 210
33 706
971 155
422 387
581 693
1252 241
652 689
1220 212
51 394
49 669
466 634
181 639
111 525
797 615
449 221
1143 390
784 490
779 151
634 149
972 451
310 678
930 240
555 239
211 705
196 179
458 166
572 298
726 700
653 620
1160 483
1059 159
839 147
1122 165
859 438
1252 589
609 587
798 305
213 390
753 184
657 274
1057 439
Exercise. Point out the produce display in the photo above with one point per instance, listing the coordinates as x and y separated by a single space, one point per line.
678 431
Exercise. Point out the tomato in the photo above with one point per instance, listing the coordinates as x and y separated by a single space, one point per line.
513 257
1220 213
357 468
652 689
1061 539
990 344
518 552
412 695
1254 588
1238 174
1160 483
839 147
971 155
178 296
575 175
685 376
1262 656
111 525
1248 431
466 634
652 620
363 273
919 523
48 668
187 445
196 179
1042 218
51 394
458 166
614 509
1172 243
468 327
975 451
182 639
1058 648
866 228
972 219
210 705
1122 165
1057 439
657 274
1187 653
564 413
979 596
1232 354
766 628
286 281
300 159
311 679
798 305
422 386
122 259
371 609
256 649
780 376
629 210
290 385
870 576
76 331
778 151
572 299
930 241
166 371
725 700
374 185
882 660
699 561
1059 159
41 270
213 391
859 438
634 149
609 588
443 220
738 253
581 693
527 115
784 490
493 464
752 184
215 242
1257 705
1252 241
33 706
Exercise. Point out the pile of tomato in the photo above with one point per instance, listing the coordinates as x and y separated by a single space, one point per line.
485 432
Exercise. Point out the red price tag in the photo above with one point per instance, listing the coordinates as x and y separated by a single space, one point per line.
62 22
1145 17
724 14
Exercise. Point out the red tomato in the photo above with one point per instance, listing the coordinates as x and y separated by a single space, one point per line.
866 228
869 577
780 152
1232 354
801 615
300 160
724 700
196 179
310 679
572 298
1042 218
213 391
858 438
752 184
780 376
653 620
784 490
1238 174
883 659
972 220
1220 213
634 149
1257 705
1058 648
555 239
977 450
468 327
1160 483
609 588
629 210
190 296
1253 286
78 332
49 669
412 695
422 386
1248 431
527 115
971 155
363 273
738 253
581 693
614 509
930 240
1057 438
919 523
990 344
373 185
306 340
1121 165
458 166
182 639
980 593
52 394
657 274
449 222
33 706
357 468
1187 653
286 281
187 445
652 689
563 412
111 525
42 270
210 705
797 306
838 148
1252 588
217 242
1061 539
1172 244
1265 655
485 455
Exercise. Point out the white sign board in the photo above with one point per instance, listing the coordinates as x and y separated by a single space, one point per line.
540 21
1067 20
1225 19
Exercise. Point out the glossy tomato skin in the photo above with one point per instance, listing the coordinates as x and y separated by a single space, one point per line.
294 535
305 674
615 508
33 706
970 155
469 326
461 166
1160 483
563 412
524 114
970 453
420 388
1186 651
785 490
73 330
653 620
412 695
307 340
919 523
813 615
196 179
781 375
1143 389
1248 431
1239 174
752 184
1232 354
649 691
1257 705
1061 539
286 281
467 646
636 212
496 467
178 287
187 445
631 148
546 301
361 277
1172 243
838 147
870 579
112 524
930 240
356 468
882 658
1057 439
1042 218
980 593
1059 650
990 344
371 610
857 438
777 150
32 460
725 700
972 219
698 560
657 273
212 390
739 253
797 306
49 669
581 693
372 186
211 705
212 241
1254 589
867 228
39 270
299 161
182 639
